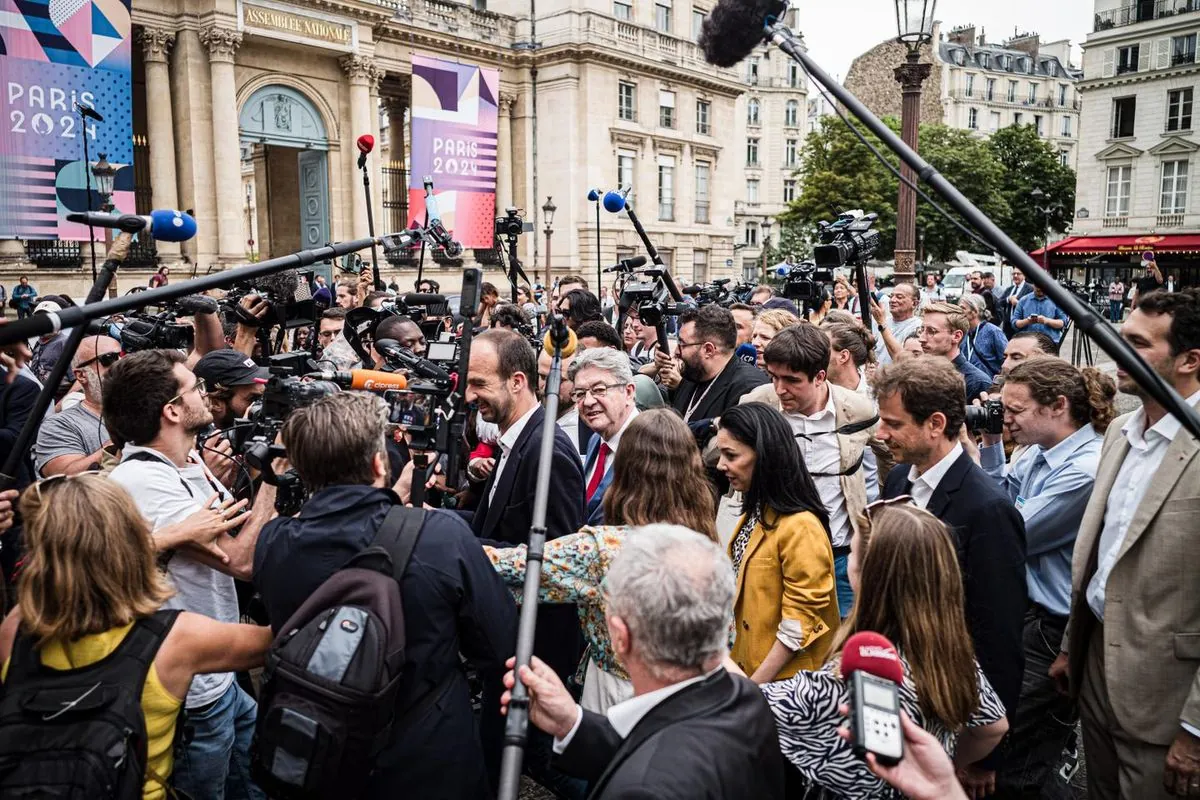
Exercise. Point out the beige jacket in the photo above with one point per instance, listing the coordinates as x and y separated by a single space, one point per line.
1152 605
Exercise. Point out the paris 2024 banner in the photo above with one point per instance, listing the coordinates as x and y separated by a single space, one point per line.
454 117
54 54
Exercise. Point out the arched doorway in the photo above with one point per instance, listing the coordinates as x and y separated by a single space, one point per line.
285 144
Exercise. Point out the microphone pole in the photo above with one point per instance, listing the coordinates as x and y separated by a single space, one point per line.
599 269
1090 323
516 725
366 143
116 254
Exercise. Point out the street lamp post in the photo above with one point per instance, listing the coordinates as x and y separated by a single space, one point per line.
1038 196
105 175
766 244
914 27
548 210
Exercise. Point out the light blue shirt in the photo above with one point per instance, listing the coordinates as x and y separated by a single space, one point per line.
1051 489
1031 304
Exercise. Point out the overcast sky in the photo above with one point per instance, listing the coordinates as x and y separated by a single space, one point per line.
836 33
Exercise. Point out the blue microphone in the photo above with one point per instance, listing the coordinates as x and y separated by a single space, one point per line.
747 353
165 225
595 194
614 202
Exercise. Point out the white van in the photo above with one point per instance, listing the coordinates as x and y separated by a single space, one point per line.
954 282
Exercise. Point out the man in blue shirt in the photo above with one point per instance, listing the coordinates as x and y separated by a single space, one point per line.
1060 412
943 329
1036 312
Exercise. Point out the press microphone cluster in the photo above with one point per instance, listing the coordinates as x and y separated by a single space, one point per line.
165 225
399 356
367 380
437 230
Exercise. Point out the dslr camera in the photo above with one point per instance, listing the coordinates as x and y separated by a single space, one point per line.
986 418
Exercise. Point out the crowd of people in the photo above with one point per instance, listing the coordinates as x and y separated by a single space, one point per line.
727 509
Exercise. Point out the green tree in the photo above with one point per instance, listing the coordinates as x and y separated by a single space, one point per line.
1029 163
967 162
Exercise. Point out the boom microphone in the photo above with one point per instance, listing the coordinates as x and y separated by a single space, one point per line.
89 112
366 143
735 27
165 225
393 351
367 380
570 342
627 264
614 202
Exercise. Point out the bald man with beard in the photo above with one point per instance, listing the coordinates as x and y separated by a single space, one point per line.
73 440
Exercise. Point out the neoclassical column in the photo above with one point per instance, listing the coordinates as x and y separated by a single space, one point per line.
504 154
222 43
364 78
156 46
396 106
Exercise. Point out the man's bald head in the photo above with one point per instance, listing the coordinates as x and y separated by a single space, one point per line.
89 370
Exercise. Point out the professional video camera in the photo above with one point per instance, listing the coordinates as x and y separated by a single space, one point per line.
805 282
143 330
649 297
986 418
847 241
715 292
288 294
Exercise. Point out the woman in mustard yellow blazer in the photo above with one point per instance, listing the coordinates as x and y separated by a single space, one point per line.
785 609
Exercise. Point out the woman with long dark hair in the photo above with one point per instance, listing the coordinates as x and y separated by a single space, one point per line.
658 477
786 609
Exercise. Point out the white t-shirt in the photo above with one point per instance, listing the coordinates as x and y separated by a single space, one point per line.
166 494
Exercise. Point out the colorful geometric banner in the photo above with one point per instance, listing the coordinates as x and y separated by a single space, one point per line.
54 54
454 117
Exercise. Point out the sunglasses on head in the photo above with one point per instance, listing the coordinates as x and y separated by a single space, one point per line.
904 499
105 360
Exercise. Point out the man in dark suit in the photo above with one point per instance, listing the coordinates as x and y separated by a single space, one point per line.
921 413
692 729
713 380
502 380
605 396
1006 303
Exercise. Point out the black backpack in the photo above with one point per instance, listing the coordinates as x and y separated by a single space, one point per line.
328 696
79 733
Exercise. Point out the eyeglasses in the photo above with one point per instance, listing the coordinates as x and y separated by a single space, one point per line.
684 345
904 499
53 479
199 386
599 391
105 360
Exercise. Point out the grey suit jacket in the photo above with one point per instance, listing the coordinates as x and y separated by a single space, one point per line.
1152 598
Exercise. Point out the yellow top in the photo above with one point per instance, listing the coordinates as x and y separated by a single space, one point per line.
159 707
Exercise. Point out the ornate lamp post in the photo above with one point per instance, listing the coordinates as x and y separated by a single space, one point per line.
548 210
766 245
914 26
105 175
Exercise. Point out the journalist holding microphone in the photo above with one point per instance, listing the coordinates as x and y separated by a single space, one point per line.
1061 413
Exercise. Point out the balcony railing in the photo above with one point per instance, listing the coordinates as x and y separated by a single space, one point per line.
1116 222
1142 12
1179 59
1169 221
460 19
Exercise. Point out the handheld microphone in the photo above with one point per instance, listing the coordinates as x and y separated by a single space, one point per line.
437 230
614 202
88 112
735 27
874 673
559 330
627 264
747 354
366 143
392 350
367 380
595 194
166 225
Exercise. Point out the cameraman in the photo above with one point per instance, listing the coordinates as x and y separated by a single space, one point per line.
155 405
453 600
1061 413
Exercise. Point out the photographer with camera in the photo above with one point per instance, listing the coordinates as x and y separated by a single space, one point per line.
1060 413
453 601
944 327
155 405
922 409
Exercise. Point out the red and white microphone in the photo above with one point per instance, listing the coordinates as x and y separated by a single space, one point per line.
874 674
366 143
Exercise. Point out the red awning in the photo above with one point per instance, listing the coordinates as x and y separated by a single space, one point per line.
1110 245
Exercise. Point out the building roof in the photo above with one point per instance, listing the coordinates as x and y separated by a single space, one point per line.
997 58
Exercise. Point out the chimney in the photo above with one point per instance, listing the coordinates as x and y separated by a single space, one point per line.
1025 42
982 38
964 35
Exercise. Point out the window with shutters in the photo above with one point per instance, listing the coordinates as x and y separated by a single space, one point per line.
666 109
1183 50
1174 187
1127 59
994 121
1124 111
1116 198
1179 110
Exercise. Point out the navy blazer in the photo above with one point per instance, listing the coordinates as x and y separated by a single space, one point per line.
594 512
990 536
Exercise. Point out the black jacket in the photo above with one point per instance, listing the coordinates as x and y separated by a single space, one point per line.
1005 310
714 740
990 536
453 602
726 390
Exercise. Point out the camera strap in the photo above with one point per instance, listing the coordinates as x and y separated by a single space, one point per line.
221 491
849 429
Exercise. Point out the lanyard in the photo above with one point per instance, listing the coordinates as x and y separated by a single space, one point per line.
696 401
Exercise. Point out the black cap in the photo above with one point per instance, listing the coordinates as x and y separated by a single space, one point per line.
230 368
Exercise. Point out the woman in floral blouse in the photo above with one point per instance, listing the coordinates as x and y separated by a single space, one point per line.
657 477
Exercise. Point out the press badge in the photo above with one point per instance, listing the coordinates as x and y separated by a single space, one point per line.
1020 502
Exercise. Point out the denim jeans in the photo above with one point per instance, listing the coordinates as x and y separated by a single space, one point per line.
215 764
1116 310
845 594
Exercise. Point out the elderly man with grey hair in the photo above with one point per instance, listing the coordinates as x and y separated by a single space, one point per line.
984 343
604 394
691 729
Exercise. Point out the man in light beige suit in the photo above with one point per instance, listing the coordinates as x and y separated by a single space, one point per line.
1132 646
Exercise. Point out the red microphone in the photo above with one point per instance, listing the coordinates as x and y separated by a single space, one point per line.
874 674
366 143
874 654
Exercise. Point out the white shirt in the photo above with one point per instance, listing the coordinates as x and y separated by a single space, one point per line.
1146 451
625 716
926 483
569 422
819 448
612 448
508 440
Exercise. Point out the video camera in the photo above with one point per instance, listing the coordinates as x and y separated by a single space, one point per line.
288 295
805 282
650 298
162 331
847 241
715 292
